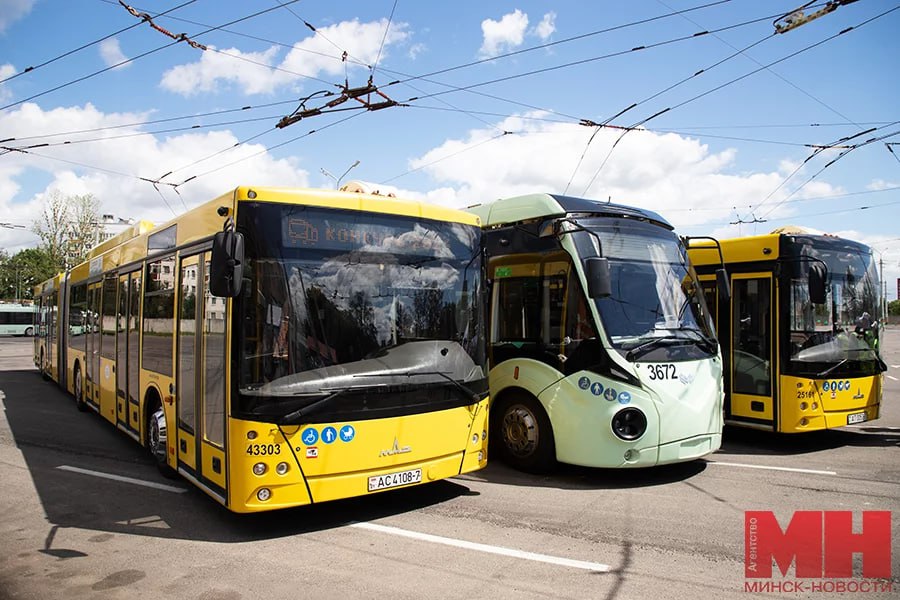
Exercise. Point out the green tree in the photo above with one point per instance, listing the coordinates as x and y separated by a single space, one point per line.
21 272
68 227
894 308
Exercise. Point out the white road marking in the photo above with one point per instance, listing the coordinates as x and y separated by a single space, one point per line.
873 425
789 469
895 366
150 484
437 539
891 377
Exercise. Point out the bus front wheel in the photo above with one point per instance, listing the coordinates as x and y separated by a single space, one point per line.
523 433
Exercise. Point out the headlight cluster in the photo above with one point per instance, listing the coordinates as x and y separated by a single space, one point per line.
629 424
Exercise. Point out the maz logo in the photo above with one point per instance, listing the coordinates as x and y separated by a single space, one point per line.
396 449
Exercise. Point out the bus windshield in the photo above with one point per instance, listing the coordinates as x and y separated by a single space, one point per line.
842 333
656 310
363 308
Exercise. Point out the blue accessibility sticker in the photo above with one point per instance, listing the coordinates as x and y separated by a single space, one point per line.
610 394
347 433
584 383
624 397
329 434
840 386
847 385
825 386
597 388
310 436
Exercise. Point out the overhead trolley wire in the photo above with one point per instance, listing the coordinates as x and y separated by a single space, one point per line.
152 121
263 151
588 60
841 155
776 74
88 45
564 41
139 56
736 79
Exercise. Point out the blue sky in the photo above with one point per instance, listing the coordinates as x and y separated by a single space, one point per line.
493 99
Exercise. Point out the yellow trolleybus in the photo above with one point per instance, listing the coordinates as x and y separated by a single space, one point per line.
602 352
799 335
283 347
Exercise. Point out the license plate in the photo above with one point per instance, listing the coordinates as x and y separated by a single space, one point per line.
382 482
859 417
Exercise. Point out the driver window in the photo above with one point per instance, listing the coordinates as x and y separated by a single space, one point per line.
752 337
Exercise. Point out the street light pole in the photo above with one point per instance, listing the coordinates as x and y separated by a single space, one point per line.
337 180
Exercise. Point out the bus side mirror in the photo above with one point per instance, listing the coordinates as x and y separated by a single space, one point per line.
722 284
817 276
598 278
226 267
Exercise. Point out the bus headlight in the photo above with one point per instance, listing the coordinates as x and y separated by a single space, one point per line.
803 406
259 468
263 494
629 424
281 468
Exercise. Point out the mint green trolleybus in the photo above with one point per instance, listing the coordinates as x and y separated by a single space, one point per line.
602 352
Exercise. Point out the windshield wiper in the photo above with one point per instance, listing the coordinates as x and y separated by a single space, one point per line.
707 343
824 373
465 390
295 417
645 347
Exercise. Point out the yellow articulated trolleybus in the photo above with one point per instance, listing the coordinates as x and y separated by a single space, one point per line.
601 349
283 347
799 335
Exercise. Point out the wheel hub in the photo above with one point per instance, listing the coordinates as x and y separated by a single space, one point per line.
520 431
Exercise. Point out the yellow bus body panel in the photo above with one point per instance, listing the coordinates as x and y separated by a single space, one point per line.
827 409
442 444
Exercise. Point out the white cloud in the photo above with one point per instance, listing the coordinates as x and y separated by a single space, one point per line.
878 185
112 54
6 71
503 35
13 10
415 50
674 175
546 27
139 156
315 56
250 72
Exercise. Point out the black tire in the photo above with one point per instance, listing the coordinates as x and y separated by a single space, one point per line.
522 435
29 332
157 437
80 404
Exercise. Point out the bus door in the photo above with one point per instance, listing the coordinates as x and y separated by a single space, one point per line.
127 353
200 376
92 356
106 367
752 394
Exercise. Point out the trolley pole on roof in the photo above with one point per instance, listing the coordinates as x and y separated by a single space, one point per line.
337 180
